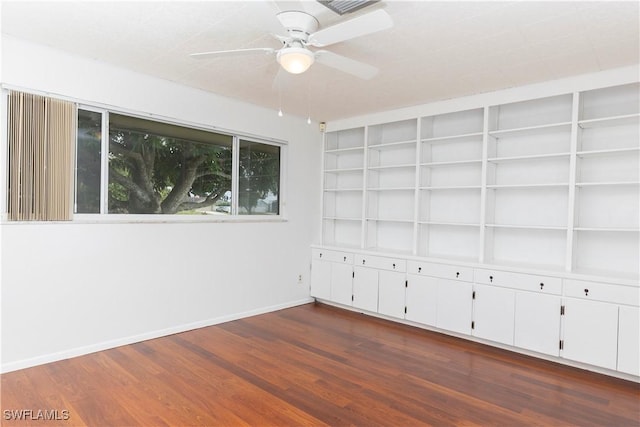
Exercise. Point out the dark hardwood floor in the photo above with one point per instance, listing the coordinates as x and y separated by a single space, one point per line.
315 365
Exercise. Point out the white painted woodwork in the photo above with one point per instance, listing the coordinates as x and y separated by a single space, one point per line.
590 332
321 279
454 306
493 313
365 288
422 299
537 322
548 183
391 293
341 283
629 340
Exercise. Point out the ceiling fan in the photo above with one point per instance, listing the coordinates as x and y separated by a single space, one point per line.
296 55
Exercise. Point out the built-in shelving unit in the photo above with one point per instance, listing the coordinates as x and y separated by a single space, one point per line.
552 183
606 233
450 184
343 187
390 179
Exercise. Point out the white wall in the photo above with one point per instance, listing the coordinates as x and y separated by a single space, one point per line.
71 288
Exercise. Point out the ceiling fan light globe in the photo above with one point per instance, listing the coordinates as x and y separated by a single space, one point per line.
295 60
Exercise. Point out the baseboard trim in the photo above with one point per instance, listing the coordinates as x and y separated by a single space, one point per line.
81 351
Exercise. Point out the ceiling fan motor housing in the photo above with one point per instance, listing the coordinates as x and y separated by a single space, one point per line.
298 24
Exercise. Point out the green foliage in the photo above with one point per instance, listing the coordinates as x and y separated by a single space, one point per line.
151 173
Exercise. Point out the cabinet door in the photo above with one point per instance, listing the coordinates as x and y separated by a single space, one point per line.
590 332
629 340
341 279
454 306
537 322
321 279
391 293
422 299
365 288
493 313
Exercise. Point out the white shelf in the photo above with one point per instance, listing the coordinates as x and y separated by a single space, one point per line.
607 274
344 150
611 152
552 127
452 187
526 265
408 221
336 218
451 163
608 229
392 189
528 157
528 227
524 186
584 185
626 119
337 190
344 170
403 166
456 224
390 145
449 138
609 183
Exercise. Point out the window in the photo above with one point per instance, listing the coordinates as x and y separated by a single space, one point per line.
88 155
259 179
153 167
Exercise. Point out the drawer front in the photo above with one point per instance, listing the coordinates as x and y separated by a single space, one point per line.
381 263
520 281
605 292
444 271
333 256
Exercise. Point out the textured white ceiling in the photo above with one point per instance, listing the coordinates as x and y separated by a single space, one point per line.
436 50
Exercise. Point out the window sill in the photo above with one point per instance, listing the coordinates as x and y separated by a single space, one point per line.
154 219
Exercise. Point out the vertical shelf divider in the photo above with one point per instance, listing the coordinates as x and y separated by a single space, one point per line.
416 190
323 185
365 184
483 185
571 204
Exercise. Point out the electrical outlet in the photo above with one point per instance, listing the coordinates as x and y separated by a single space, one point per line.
299 279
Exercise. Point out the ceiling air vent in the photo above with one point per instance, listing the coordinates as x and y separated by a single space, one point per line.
346 6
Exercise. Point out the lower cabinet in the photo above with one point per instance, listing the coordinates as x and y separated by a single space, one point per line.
493 313
629 340
365 288
454 306
537 322
321 279
590 332
583 321
331 276
422 299
341 283
391 293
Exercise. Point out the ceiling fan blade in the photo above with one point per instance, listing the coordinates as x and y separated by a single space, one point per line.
234 52
346 65
356 27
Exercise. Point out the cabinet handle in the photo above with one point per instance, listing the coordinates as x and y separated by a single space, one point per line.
491 279
541 285
419 269
345 259
457 274
320 254
394 265
586 292
363 262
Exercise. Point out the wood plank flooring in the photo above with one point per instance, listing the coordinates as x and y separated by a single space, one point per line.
315 365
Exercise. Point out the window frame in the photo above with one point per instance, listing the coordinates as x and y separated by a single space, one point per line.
105 217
